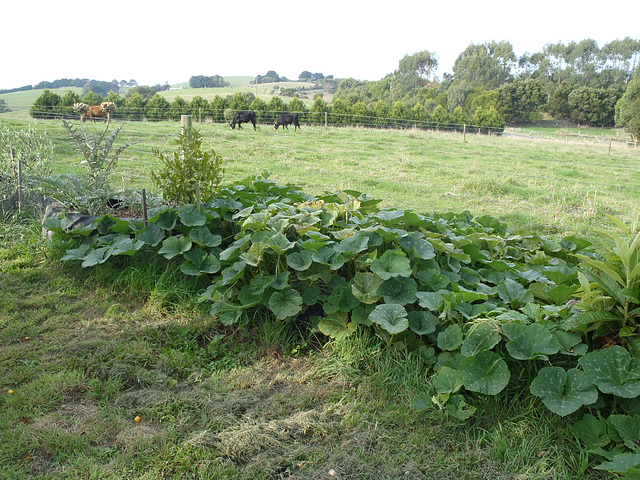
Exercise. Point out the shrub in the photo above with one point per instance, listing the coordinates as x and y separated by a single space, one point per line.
185 169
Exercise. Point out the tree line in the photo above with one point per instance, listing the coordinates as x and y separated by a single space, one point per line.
579 82
137 106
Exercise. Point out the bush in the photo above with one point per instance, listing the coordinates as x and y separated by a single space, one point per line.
187 168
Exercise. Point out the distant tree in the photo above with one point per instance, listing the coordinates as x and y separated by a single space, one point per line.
218 106
487 65
522 100
628 108
490 119
144 91
305 76
481 98
441 117
381 112
459 116
134 106
101 88
92 98
239 102
296 105
45 105
414 72
318 109
558 102
260 107
3 106
157 108
179 106
202 81
270 77
593 106
199 107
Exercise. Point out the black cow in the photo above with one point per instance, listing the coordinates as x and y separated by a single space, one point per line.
287 119
243 117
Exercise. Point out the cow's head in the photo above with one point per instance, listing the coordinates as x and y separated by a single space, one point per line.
233 125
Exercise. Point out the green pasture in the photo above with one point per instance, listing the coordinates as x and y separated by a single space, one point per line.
543 184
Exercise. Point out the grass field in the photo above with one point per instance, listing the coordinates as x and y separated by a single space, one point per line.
542 184
86 352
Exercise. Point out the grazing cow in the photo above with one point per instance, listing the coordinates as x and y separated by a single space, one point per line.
95 113
243 117
287 119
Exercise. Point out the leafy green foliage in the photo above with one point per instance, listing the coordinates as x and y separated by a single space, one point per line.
187 168
485 308
610 289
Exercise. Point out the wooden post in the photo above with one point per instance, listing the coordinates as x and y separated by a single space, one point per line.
325 121
198 203
199 115
144 206
464 133
610 146
186 121
13 157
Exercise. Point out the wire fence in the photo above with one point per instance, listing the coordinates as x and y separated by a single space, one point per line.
233 146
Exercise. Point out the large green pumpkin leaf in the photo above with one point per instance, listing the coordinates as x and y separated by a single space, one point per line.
173 246
190 216
391 317
514 294
336 326
621 463
450 338
529 342
392 263
364 287
485 373
563 392
430 300
77 253
279 243
613 370
96 257
593 433
483 337
198 262
203 237
166 220
152 235
300 261
628 428
448 380
422 322
399 290
417 247
285 303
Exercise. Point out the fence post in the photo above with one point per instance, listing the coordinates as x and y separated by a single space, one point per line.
13 159
144 206
199 114
325 121
185 122
464 133
198 202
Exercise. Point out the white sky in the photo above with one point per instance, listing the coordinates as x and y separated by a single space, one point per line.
156 42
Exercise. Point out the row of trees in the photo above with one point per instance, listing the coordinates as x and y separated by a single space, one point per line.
134 106
579 82
202 81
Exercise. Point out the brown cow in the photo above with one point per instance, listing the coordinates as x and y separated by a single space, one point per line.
95 113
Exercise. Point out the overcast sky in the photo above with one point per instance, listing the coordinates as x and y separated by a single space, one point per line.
156 42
